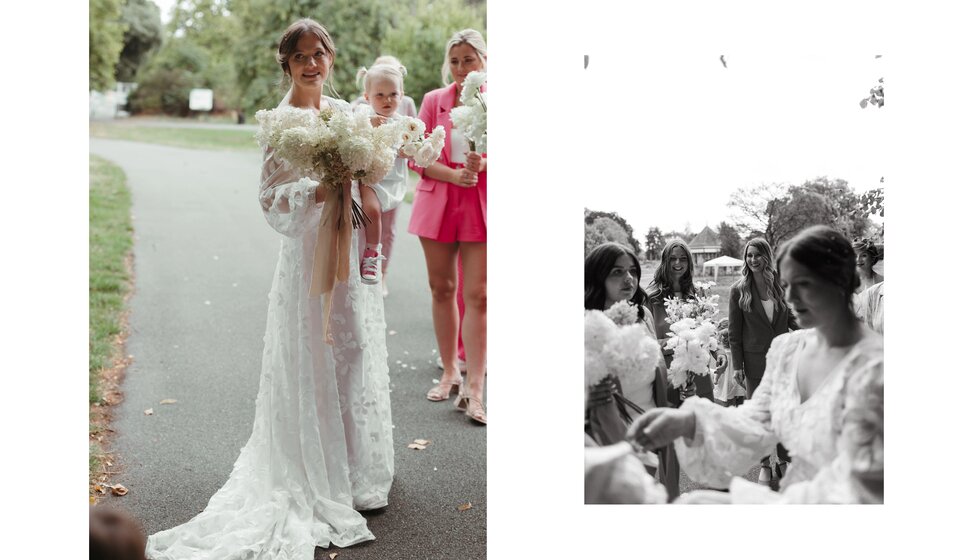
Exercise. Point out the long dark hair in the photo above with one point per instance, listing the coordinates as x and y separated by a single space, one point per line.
769 272
661 287
828 255
598 264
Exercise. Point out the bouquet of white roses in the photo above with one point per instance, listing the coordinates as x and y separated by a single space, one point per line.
471 116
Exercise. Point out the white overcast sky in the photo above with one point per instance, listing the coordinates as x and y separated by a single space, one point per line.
686 132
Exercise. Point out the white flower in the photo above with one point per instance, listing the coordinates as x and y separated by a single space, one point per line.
622 313
471 85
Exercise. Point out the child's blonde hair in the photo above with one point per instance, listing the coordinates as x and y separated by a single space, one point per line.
470 37
384 67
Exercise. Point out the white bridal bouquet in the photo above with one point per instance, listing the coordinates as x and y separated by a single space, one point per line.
341 143
693 336
471 116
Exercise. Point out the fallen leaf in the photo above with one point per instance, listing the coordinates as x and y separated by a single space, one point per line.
334 555
464 507
148 412
168 401
392 332
98 488
416 446
423 441
435 381
91 500
119 489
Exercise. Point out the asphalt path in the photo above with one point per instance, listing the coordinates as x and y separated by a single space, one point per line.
204 262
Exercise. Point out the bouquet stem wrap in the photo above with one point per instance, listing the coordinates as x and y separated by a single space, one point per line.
331 255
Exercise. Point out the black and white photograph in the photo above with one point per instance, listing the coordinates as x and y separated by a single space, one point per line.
735 309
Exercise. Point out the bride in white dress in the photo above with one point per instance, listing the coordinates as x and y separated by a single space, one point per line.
822 396
321 444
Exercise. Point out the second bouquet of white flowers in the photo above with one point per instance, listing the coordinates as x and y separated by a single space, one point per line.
471 116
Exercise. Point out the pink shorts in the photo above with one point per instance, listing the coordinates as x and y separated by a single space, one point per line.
463 218
448 213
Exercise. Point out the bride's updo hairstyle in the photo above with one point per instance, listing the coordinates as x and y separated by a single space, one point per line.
470 37
287 46
828 255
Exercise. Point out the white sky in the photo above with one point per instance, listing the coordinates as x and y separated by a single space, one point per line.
778 113
165 7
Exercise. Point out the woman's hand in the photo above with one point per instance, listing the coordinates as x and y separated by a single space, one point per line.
464 177
663 347
475 162
658 427
704 497
601 393
740 377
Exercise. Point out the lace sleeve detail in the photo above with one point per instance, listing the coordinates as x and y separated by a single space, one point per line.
728 441
288 201
856 475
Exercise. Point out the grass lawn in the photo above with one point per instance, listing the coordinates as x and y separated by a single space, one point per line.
110 245
206 138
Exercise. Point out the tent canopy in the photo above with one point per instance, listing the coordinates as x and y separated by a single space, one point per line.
723 260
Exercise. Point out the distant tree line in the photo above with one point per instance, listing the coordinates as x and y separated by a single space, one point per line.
773 212
229 46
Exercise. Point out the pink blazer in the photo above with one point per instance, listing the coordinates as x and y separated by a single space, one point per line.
431 196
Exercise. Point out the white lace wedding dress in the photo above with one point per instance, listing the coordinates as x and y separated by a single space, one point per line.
836 437
321 444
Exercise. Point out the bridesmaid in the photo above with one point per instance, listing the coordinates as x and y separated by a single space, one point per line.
867 257
449 215
612 274
673 278
758 313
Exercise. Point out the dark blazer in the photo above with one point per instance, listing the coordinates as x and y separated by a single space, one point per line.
752 332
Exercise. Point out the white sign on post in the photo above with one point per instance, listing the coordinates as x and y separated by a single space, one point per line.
201 99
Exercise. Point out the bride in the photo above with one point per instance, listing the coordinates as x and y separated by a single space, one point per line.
822 395
321 444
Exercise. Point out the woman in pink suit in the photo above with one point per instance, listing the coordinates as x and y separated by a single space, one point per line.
449 215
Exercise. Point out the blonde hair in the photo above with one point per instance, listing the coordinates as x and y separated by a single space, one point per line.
470 37
394 72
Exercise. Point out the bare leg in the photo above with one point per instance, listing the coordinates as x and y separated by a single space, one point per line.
440 261
475 320
372 209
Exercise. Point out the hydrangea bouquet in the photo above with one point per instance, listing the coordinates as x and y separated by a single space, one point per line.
340 144
471 116
693 337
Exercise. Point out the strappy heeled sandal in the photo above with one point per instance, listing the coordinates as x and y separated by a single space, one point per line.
475 410
444 390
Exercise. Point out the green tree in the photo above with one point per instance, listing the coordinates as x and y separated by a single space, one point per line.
592 215
655 243
105 42
604 230
144 32
845 204
731 242
166 80
419 38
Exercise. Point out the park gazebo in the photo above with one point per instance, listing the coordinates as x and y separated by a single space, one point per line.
729 265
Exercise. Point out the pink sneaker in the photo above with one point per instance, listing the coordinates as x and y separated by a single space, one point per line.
371 266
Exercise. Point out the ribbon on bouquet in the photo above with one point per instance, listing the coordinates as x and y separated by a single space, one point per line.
331 255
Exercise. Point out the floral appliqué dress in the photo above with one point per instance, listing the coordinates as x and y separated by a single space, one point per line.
321 443
836 437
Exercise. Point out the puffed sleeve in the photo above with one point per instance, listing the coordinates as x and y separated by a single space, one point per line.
735 327
856 475
728 441
288 200
427 114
